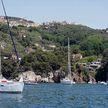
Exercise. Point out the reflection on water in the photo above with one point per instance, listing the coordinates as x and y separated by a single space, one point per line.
12 96
57 96
8 100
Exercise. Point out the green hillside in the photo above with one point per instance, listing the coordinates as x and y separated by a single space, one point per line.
34 45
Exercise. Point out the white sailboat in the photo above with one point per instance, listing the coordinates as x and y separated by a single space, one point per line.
91 80
9 86
68 79
103 83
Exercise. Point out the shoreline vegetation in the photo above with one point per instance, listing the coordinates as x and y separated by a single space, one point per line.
43 52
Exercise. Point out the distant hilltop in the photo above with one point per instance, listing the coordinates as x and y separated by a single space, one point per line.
15 21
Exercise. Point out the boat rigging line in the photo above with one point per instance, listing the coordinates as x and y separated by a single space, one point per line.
9 29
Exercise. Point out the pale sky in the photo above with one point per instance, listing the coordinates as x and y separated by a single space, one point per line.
92 13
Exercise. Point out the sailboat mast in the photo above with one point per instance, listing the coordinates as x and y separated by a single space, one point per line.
0 61
14 46
69 65
0 64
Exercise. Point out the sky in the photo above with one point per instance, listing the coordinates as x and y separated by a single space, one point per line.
92 13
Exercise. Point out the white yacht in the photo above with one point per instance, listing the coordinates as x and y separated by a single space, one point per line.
7 85
68 79
92 80
103 83
10 86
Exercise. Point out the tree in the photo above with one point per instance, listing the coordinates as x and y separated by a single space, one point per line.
10 68
41 62
102 73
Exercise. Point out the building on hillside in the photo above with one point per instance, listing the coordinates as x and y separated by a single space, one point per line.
77 56
2 45
14 57
52 46
95 64
2 20
29 50
15 21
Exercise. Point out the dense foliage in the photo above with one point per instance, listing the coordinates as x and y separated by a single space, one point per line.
102 73
84 40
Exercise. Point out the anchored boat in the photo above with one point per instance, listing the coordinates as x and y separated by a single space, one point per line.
68 79
10 86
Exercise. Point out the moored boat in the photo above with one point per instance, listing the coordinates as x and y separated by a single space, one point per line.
9 86
68 79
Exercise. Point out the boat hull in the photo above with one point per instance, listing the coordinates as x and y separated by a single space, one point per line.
103 83
67 82
11 87
30 83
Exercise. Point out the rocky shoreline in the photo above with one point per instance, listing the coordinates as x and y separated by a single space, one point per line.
31 77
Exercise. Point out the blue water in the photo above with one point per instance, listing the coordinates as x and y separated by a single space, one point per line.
57 96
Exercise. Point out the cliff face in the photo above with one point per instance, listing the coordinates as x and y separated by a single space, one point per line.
30 76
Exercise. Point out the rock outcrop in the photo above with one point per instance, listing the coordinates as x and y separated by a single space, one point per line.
30 76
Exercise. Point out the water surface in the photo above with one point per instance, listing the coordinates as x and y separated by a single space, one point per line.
57 96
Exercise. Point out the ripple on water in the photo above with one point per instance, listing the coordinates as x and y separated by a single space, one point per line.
57 96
